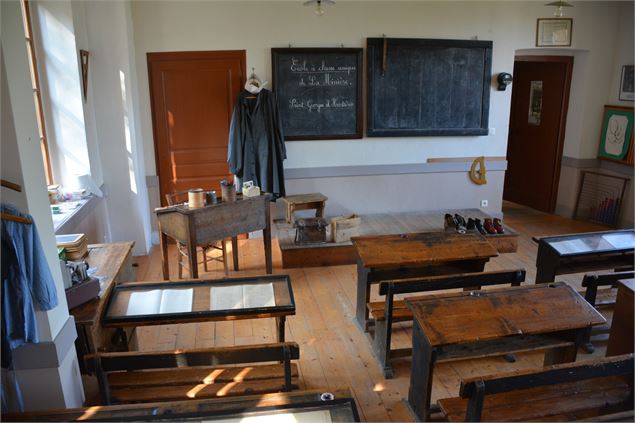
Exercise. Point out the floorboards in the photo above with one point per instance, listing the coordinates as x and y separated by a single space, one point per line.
333 351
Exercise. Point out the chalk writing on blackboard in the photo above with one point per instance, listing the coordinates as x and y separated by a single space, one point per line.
319 92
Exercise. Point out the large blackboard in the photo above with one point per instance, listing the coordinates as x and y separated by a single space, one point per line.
319 92
428 87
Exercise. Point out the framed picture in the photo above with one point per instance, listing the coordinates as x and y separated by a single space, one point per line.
554 32
626 83
616 135
319 92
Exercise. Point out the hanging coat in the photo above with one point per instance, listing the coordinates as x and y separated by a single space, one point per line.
256 142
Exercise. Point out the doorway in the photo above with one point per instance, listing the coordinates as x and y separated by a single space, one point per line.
540 99
192 95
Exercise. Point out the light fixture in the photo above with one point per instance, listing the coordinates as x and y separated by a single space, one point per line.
560 5
319 10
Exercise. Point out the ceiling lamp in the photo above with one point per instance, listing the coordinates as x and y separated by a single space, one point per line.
560 5
319 10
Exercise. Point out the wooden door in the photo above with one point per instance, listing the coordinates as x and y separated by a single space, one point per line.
192 97
540 98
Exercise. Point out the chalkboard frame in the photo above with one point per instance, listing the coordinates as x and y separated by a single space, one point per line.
374 46
357 53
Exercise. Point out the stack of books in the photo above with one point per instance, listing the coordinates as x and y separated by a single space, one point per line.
75 245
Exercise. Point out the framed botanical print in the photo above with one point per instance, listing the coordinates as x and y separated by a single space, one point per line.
616 135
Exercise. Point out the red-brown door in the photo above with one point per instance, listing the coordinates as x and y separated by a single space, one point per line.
537 120
192 96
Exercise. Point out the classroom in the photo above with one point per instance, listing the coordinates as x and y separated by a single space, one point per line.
317 210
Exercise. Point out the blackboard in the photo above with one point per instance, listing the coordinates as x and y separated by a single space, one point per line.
319 92
428 87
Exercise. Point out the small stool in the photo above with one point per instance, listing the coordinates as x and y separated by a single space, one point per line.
294 203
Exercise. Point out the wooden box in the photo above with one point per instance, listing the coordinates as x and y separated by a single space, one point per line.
344 227
310 231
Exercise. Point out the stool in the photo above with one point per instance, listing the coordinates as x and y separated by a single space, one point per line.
294 203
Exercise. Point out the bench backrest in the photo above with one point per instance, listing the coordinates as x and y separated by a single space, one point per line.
102 363
592 282
464 280
475 389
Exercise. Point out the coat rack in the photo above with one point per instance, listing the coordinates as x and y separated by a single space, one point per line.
7 216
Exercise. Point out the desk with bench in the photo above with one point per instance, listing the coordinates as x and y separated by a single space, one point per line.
392 257
549 317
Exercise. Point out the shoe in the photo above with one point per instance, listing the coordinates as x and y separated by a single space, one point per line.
449 222
471 225
460 223
489 226
498 225
479 226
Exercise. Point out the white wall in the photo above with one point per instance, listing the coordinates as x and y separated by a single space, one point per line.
259 26
104 28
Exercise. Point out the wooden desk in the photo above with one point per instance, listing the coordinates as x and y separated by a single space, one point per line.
481 323
585 252
114 265
389 257
164 303
209 224
621 336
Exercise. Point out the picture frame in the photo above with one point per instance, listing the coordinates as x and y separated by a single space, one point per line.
554 32
319 92
616 135
627 82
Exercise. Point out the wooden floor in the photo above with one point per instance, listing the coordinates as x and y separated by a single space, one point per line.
333 351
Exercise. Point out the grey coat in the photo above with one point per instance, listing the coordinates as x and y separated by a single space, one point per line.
256 142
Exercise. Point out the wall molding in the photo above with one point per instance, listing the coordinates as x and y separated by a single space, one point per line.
390 169
49 354
575 163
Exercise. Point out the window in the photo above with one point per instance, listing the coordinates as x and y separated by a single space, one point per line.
37 94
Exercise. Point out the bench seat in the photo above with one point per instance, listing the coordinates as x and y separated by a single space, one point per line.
400 311
560 402
604 297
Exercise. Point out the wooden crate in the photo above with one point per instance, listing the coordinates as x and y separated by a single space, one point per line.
344 227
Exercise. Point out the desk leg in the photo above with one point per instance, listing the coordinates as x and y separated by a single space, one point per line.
280 322
165 265
235 252
363 295
423 359
546 264
193 259
266 235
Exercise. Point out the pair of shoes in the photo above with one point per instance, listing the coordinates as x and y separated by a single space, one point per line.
498 225
489 226
479 226
455 222
471 225
460 223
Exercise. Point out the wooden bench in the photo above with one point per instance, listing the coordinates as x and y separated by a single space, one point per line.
600 299
563 392
390 311
129 377
312 201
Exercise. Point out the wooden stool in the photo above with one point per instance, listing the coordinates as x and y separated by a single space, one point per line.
294 203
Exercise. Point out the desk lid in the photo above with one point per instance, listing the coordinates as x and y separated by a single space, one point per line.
474 316
421 248
592 242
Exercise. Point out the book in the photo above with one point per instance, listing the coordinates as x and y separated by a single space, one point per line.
233 297
160 301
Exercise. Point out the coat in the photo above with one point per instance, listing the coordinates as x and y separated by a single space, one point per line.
256 142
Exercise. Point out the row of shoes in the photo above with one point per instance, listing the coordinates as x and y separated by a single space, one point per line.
488 226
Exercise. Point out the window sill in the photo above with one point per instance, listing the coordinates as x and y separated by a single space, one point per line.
73 212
